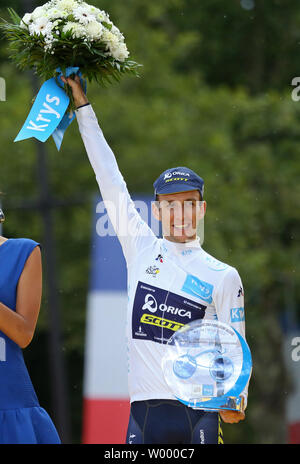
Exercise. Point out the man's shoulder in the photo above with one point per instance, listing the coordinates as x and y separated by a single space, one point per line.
213 263
221 273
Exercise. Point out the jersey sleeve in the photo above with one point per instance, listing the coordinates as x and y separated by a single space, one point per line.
132 231
229 303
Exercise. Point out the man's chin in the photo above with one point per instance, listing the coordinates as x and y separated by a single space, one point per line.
182 238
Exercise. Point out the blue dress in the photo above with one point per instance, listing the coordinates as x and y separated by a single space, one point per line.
22 420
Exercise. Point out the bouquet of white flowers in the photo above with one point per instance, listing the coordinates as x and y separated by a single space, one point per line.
66 33
60 38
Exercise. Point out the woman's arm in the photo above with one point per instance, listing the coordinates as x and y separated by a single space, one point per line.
20 325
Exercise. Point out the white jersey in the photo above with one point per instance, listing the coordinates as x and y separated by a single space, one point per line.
169 284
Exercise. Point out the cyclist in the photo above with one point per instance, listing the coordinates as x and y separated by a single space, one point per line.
171 281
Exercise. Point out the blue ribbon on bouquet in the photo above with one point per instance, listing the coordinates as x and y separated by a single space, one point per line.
48 114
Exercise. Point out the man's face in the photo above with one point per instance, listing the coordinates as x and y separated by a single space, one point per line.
180 214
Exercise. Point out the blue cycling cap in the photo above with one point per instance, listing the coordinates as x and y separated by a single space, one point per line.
177 180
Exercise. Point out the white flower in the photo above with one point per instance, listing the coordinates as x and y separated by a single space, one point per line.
25 20
94 30
91 9
110 39
48 5
39 12
41 26
115 45
78 31
67 5
117 32
83 15
102 16
120 52
55 13
49 41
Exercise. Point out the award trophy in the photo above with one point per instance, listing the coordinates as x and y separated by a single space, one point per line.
207 365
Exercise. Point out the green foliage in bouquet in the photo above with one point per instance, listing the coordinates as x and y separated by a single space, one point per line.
64 33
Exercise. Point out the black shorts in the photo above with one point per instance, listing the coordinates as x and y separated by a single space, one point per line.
171 422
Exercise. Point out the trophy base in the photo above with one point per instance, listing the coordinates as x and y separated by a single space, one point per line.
207 404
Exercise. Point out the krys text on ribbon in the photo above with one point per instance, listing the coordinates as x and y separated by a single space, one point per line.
46 113
46 110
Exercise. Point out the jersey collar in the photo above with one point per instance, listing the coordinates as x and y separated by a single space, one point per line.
180 248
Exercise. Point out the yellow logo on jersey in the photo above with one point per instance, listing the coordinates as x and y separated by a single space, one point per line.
160 322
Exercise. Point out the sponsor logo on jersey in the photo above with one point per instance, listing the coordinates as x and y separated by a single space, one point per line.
140 332
240 292
152 306
214 264
237 314
157 313
199 288
152 270
186 252
160 322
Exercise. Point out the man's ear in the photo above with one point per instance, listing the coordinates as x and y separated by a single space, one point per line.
203 209
156 210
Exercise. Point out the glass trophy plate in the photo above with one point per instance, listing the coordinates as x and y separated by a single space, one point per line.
207 364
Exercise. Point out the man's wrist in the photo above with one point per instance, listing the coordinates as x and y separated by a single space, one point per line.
81 106
80 100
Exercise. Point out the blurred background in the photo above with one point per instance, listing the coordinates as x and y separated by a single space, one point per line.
215 94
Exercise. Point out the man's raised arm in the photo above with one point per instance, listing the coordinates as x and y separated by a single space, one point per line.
132 231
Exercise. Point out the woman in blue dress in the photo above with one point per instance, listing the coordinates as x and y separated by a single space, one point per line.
22 420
